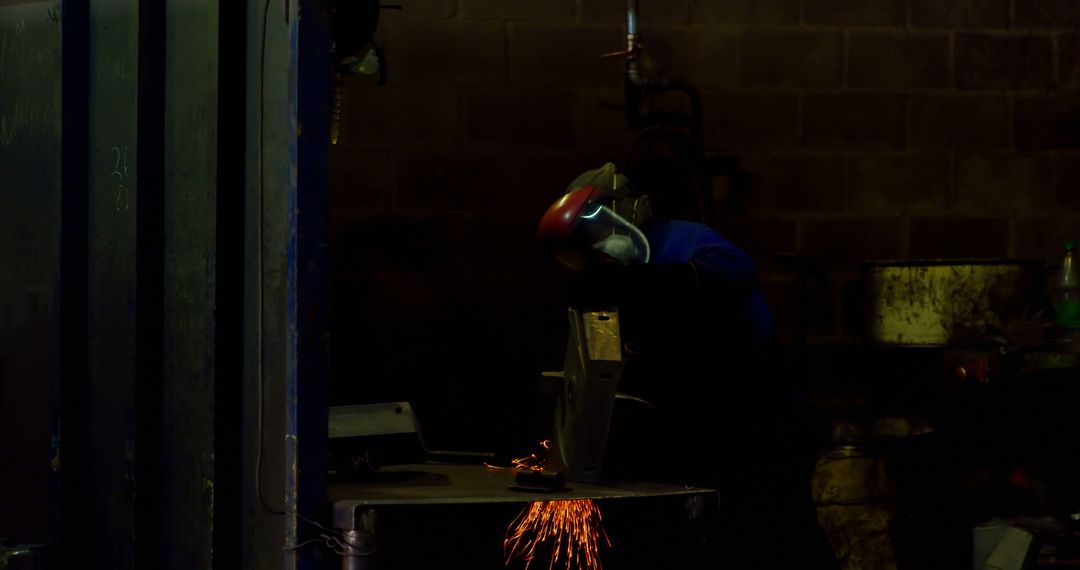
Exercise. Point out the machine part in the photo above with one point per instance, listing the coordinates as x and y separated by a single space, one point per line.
632 398
364 438
23 557
1036 361
369 64
373 419
602 335
367 437
425 489
946 302
354 22
336 98
451 456
985 537
359 547
1013 552
854 492
353 27
540 481
583 412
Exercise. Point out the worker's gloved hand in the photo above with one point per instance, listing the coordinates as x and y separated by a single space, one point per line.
608 286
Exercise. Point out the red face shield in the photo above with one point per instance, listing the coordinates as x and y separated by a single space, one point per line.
580 230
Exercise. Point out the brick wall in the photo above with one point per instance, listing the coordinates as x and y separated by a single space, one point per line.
865 129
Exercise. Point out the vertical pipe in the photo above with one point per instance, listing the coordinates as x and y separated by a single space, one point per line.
229 296
308 449
74 516
633 74
149 283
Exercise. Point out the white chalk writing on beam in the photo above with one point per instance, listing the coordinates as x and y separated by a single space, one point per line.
120 68
6 135
121 196
120 169
23 117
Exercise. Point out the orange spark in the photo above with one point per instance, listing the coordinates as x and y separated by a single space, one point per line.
572 528
532 461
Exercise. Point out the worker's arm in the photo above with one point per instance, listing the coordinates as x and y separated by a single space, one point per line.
722 267
689 260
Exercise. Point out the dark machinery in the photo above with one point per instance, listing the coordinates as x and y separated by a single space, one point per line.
666 114
355 52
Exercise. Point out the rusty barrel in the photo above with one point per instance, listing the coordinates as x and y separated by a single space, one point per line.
854 493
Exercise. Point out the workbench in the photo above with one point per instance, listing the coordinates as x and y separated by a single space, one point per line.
357 506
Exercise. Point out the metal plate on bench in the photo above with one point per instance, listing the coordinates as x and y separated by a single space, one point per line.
439 484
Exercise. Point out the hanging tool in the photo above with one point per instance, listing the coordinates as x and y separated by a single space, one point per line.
353 27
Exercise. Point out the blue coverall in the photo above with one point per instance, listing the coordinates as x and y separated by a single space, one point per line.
701 346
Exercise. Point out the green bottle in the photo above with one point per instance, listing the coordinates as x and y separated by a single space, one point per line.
1067 302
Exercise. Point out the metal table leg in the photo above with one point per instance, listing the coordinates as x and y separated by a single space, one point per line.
361 549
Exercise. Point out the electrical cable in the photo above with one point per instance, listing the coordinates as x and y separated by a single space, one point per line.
335 540
259 272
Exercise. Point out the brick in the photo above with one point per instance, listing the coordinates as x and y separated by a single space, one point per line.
706 59
820 308
448 181
790 59
905 183
520 118
854 120
547 53
1047 122
854 317
959 122
391 245
794 183
1068 52
418 52
601 129
985 61
360 180
745 12
505 244
845 241
420 9
745 121
518 186
1068 184
898 60
386 116
779 293
548 10
1047 14
1043 238
650 11
1004 183
856 12
960 14
949 237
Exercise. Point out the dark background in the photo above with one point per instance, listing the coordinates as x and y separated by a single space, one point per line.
857 130
861 129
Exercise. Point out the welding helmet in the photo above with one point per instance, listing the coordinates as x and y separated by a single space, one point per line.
582 228
616 192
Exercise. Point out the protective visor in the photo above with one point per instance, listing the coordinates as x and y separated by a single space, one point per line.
606 237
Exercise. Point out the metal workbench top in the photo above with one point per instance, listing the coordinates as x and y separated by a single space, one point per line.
451 484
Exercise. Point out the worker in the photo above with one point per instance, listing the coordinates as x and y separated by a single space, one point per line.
700 348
